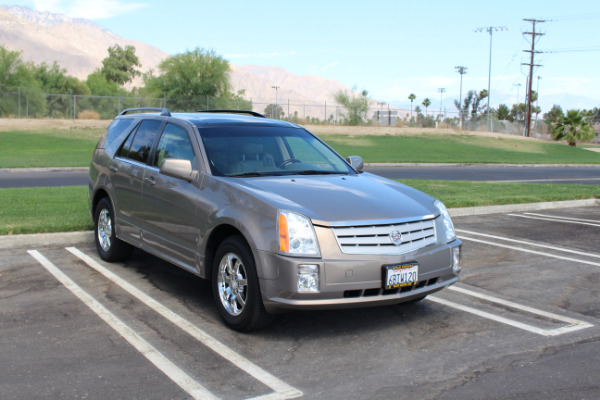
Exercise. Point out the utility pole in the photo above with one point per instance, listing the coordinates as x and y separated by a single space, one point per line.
531 65
461 70
490 30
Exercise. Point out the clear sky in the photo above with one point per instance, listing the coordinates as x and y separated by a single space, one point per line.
390 48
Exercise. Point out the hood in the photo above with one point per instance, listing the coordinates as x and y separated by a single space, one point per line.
333 198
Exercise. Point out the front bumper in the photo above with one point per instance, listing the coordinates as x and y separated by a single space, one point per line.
354 281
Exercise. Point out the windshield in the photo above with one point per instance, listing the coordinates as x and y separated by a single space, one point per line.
263 151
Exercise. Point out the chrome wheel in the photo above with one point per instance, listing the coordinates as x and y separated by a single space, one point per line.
104 229
232 284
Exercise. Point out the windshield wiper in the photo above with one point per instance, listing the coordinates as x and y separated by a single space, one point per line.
251 174
320 172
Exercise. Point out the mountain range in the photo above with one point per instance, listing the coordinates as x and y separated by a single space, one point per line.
79 46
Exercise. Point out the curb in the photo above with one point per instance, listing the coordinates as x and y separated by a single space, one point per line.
87 237
46 239
469 211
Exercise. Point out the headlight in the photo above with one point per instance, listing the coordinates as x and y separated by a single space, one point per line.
448 225
296 235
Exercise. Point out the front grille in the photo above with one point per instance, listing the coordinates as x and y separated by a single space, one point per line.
377 239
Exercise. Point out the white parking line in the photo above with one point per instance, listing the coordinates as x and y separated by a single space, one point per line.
282 389
564 221
530 243
540 253
574 324
511 322
559 217
183 380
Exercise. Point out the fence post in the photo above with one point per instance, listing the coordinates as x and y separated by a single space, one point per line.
19 100
74 106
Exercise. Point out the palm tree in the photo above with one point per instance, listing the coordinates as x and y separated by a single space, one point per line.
572 128
426 103
411 97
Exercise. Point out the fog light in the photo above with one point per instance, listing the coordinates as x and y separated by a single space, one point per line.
308 278
456 259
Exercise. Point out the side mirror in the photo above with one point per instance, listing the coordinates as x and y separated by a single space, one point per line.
356 162
180 169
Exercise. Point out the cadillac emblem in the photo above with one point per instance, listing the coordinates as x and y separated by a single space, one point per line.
396 237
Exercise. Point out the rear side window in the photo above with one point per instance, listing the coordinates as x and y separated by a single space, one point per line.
139 144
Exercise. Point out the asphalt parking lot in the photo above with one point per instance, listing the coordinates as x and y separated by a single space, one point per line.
523 322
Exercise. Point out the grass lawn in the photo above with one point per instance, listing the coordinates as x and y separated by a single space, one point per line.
64 209
74 147
48 148
41 210
457 148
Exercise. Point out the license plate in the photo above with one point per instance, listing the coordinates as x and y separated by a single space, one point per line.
396 276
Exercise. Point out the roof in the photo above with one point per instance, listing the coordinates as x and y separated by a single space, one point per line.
208 118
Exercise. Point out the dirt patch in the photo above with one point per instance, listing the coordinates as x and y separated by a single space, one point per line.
38 124
396 131
9 124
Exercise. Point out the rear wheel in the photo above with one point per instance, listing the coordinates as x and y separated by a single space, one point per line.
109 247
235 287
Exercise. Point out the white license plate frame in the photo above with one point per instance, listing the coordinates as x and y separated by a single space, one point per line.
400 275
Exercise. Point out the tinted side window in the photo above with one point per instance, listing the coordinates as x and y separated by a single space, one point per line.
143 140
174 143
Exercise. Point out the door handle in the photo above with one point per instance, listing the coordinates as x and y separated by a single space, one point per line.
113 169
150 180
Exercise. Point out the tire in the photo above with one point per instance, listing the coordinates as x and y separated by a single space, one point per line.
109 247
235 287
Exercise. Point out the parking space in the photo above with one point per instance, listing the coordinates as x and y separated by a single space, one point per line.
524 321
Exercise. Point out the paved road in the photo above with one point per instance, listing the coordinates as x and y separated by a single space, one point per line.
587 175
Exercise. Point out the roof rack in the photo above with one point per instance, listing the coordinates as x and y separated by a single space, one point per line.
253 113
164 112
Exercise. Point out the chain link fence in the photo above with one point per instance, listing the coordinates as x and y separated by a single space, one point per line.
31 103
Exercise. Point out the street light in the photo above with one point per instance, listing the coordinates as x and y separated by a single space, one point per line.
276 108
461 70
490 30
441 91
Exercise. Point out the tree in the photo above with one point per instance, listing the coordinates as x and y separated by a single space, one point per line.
356 105
120 65
426 103
554 115
274 111
190 78
17 80
572 127
411 97
503 112
54 80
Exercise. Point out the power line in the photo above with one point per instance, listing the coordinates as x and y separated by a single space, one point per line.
591 15
574 50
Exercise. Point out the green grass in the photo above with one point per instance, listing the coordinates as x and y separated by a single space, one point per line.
475 194
48 148
64 209
457 148
41 210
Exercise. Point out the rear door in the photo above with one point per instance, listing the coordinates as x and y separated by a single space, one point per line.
127 175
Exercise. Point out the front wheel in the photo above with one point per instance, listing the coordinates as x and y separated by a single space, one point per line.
235 287
109 247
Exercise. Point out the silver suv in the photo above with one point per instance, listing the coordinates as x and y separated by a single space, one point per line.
266 211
